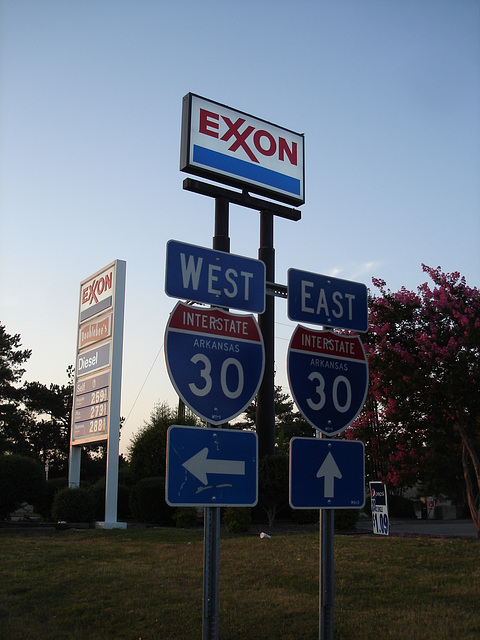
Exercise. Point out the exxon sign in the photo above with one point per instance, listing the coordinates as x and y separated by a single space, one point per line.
235 148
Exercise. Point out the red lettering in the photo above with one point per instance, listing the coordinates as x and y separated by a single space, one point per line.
92 293
258 145
85 295
208 123
240 138
263 141
284 148
101 286
108 281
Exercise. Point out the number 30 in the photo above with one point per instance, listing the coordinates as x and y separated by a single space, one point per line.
320 390
205 374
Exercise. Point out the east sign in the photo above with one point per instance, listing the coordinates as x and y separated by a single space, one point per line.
235 148
327 301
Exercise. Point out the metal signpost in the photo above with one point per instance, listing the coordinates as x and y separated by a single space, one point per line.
208 467
327 474
380 521
98 375
328 378
215 361
218 361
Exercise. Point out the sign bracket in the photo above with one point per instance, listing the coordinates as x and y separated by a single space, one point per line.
244 199
277 290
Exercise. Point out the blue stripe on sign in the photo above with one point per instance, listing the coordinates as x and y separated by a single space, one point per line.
244 169
100 306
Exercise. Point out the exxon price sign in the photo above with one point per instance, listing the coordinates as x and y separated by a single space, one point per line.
236 148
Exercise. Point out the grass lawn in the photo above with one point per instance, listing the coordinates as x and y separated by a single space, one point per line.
148 584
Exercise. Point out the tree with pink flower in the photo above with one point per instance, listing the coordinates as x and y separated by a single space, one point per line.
421 420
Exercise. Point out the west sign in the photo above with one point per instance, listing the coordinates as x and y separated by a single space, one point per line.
235 148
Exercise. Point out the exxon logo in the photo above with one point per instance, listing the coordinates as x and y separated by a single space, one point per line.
92 292
252 141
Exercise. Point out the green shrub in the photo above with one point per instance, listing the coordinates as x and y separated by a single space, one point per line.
123 502
21 480
237 519
98 491
147 502
44 505
186 517
346 519
74 504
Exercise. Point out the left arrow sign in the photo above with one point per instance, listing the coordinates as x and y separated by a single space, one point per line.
329 470
200 465
208 467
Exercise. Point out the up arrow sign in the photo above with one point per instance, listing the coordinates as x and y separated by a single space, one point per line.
200 465
327 474
329 470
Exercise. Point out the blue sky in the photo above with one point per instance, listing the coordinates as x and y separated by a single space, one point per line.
386 92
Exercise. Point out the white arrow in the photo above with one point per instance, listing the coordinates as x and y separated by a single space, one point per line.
199 465
329 470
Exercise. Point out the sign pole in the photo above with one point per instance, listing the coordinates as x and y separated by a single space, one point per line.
111 479
326 570
211 542
265 414
221 239
211 572
327 575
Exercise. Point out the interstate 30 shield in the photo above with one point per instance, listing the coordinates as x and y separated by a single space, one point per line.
328 377
215 360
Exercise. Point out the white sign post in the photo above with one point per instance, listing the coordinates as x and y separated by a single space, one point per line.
98 377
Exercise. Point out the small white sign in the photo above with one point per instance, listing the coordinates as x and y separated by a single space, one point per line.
380 521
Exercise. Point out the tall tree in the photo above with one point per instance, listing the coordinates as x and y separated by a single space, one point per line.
13 417
50 410
34 417
148 447
423 411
